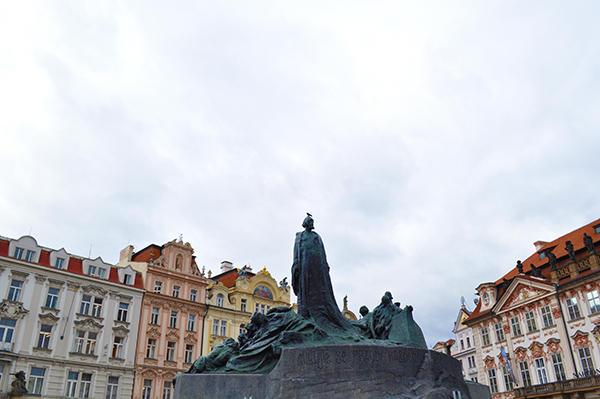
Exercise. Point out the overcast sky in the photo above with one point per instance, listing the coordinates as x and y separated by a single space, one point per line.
432 142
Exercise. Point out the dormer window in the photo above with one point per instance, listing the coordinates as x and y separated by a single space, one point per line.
127 279
18 253
30 256
486 298
542 254
597 229
95 271
220 300
59 263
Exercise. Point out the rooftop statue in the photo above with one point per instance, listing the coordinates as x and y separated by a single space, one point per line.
319 320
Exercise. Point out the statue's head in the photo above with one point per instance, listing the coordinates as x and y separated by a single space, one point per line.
386 300
363 310
387 293
308 223
258 319
232 343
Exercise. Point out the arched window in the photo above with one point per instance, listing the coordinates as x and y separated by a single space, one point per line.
220 300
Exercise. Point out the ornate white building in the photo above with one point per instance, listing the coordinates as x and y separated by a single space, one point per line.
541 322
70 323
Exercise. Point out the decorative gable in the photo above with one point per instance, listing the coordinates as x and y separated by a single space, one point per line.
523 291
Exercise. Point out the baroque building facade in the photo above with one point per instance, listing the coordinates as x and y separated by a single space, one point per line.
69 322
537 329
172 315
233 296
463 346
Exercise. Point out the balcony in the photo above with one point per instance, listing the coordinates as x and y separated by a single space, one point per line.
6 346
591 383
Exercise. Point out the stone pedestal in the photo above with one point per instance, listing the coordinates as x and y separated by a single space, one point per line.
358 371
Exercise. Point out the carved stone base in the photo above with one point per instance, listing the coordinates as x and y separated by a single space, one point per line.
338 371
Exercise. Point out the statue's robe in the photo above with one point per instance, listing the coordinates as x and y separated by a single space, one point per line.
312 284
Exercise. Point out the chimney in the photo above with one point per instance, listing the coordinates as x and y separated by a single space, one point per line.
126 253
226 266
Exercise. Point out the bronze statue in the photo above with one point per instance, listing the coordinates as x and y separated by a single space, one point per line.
520 267
311 281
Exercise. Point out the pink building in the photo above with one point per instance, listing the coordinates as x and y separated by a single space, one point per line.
171 323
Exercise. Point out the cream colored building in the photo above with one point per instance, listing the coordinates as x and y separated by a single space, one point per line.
70 323
233 296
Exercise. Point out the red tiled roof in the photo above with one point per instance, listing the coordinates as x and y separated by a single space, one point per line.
44 258
144 255
4 247
558 247
228 278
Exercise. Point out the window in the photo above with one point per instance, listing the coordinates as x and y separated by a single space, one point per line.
516 326
485 336
117 351
468 342
243 305
29 257
170 351
85 342
573 309
492 380
215 330
471 361
189 353
154 316
127 279
508 383
59 263
547 317
44 337
86 385
586 361
112 388
52 298
559 370
36 381
147 390
1 372
193 295
72 380
541 370
86 305
7 329
173 321
157 287
167 390
191 322
597 229
122 315
19 253
525 374
151 349
593 301
95 271
14 294
262 309
223 328
176 290
220 300
530 320
499 332
462 345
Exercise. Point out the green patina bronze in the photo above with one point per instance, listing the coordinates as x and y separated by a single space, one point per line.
318 322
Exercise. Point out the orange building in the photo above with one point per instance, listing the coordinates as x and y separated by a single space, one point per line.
171 322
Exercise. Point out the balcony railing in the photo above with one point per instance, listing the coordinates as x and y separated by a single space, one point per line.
6 346
559 386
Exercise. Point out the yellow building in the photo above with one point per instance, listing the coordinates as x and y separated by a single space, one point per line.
233 296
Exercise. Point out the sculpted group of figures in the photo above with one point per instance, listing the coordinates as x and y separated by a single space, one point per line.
318 322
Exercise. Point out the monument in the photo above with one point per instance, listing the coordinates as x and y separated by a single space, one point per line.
317 353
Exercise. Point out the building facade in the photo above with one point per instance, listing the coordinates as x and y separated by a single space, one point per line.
233 296
172 315
463 348
69 322
537 329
